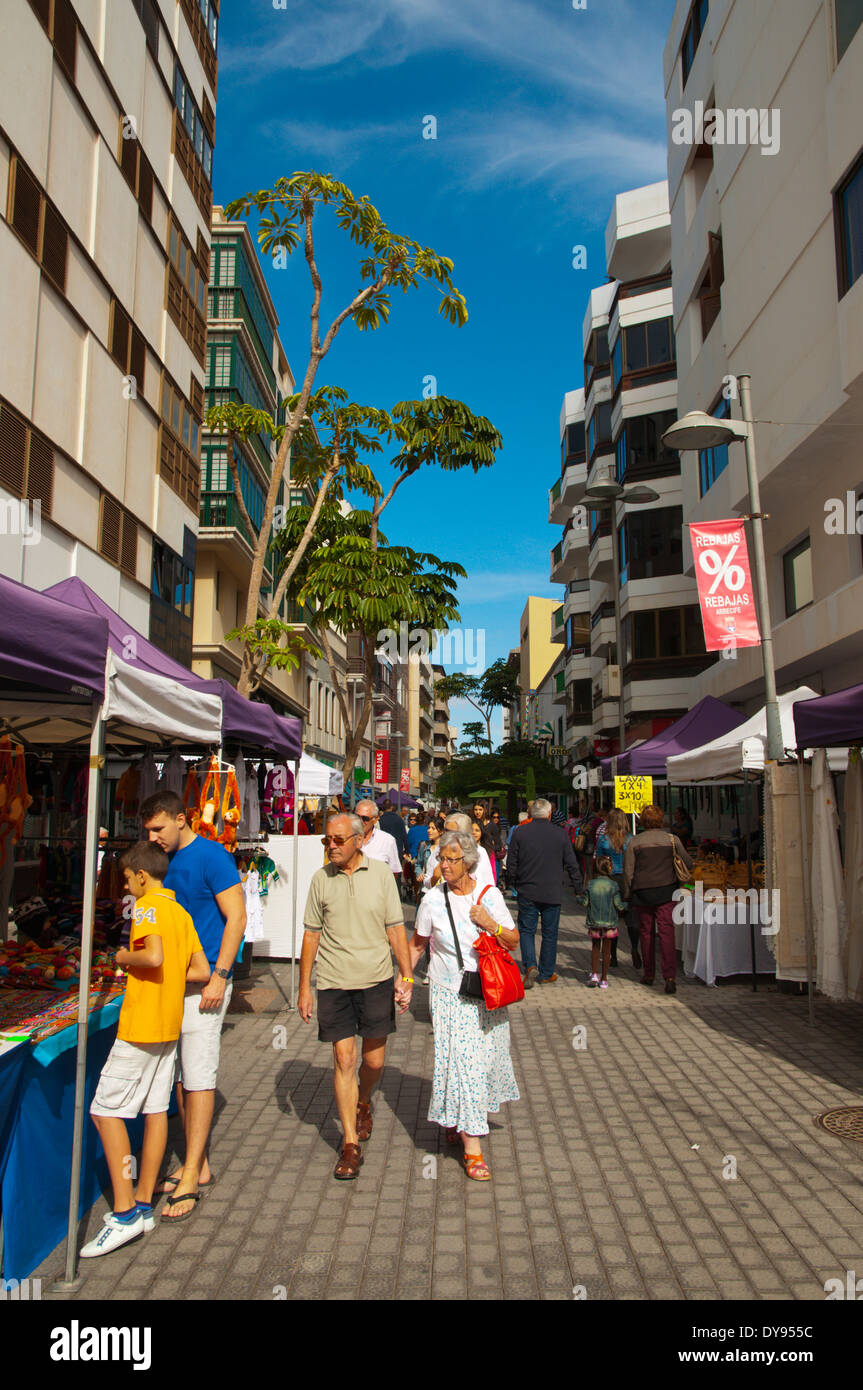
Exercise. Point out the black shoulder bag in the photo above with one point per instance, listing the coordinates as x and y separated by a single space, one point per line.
471 985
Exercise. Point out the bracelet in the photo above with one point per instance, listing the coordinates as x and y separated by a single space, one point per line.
407 979
499 930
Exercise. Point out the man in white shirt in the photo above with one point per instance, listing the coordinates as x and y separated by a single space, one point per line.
484 873
377 844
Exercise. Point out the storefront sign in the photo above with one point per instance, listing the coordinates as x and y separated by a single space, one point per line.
405 780
382 765
632 794
724 585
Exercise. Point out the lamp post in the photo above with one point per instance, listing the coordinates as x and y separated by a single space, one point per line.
604 496
697 431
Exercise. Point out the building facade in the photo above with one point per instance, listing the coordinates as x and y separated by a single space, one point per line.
107 125
767 251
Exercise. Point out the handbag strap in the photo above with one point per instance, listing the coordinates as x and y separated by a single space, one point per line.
459 955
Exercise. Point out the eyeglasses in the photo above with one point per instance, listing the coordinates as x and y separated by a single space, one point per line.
452 859
337 839
368 818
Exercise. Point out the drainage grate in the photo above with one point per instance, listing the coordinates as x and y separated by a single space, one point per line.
846 1123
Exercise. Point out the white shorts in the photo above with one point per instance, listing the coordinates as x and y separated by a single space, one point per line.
200 1041
136 1080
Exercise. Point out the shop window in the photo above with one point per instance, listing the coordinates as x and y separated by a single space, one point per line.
797 573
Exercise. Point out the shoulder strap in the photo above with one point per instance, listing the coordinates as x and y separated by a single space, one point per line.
484 891
459 955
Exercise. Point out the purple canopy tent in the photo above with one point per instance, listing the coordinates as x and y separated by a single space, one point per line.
707 720
45 648
831 721
243 721
398 798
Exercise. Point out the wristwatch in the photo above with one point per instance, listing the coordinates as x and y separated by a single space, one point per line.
224 974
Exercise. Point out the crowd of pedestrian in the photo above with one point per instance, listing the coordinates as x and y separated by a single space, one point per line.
187 931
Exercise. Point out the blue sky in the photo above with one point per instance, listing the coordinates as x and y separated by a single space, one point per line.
543 114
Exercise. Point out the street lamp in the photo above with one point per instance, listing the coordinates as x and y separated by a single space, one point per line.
604 495
697 431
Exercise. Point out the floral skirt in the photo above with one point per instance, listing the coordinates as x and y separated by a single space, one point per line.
473 1073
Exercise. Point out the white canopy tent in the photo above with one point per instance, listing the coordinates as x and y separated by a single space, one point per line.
318 779
743 750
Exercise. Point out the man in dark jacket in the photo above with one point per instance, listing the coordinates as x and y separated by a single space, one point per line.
392 823
539 854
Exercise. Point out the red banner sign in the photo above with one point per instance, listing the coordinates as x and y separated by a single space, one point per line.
382 765
724 585
405 783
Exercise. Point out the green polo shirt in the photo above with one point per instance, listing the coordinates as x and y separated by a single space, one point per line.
352 913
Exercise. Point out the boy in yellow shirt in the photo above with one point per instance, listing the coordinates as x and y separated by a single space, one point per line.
164 952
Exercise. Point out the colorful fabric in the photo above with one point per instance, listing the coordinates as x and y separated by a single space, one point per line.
473 1073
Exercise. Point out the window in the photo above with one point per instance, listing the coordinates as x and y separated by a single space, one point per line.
579 699
692 36
186 291
663 633
26 459
177 413
572 449
172 588
797 571
193 121
37 222
127 345
136 168
713 462
617 363
640 447
599 431
58 20
148 14
118 535
645 347
596 357
651 544
709 294
849 228
849 17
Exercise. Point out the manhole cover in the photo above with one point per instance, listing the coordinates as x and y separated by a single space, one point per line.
846 1123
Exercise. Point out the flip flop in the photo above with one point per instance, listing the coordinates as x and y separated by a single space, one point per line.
203 1187
174 1202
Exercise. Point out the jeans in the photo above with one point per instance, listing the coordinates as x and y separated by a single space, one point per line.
529 914
658 921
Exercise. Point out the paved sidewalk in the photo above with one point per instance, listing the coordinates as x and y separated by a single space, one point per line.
608 1173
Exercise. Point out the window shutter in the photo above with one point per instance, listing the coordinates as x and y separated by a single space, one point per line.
55 245
196 396
40 472
26 202
120 327
128 158
13 448
150 21
129 545
145 186
65 35
137 360
109 530
203 254
208 116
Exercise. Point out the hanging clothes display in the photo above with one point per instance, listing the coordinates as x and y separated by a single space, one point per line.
232 810
126 799
191 795
254 908
148 777
251 804
14 797
203 820
173 775
240 774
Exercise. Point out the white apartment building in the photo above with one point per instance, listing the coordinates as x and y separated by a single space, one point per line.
612 432
107 123
767 251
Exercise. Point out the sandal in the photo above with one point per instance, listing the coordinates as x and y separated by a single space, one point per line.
167 1184
350 1162
364 1121
175 1202
472 1165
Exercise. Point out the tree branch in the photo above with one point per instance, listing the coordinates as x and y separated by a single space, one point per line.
305 539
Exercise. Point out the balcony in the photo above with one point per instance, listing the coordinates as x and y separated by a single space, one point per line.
601 560
559 696
579 666
577 598
558 626
566 493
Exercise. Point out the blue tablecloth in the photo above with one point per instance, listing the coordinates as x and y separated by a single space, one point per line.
36 1156
12 1067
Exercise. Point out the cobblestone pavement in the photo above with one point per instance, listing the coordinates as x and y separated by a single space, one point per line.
613 1175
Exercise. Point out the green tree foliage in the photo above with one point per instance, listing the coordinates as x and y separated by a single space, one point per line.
498 686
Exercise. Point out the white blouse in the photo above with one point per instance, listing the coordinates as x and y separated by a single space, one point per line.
432 920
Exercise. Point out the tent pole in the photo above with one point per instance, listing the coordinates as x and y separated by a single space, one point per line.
748 899
70 1282
807 888
292 1002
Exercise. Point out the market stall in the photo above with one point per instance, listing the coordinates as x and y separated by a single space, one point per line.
709 719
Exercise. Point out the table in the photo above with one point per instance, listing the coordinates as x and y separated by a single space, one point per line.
714 949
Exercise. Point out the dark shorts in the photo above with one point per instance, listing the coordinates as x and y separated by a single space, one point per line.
342 1013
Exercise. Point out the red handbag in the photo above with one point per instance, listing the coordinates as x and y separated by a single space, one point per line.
499 974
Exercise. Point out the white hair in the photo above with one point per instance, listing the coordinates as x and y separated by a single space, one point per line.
375 811
461 822
357 827
466 843
540 809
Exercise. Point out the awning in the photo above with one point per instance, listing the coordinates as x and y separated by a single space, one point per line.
743 749
708 720
315 778
830 721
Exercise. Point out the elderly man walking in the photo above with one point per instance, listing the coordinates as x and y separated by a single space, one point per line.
539 855
378 843
353 922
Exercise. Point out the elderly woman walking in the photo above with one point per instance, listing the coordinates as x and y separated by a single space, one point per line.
473 1074
650 882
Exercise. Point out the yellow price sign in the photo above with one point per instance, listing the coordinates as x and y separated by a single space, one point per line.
632 794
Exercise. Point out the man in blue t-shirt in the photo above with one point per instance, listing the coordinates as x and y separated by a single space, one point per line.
204 878
418 832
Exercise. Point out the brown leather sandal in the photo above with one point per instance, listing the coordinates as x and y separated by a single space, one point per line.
350 1162
364 1121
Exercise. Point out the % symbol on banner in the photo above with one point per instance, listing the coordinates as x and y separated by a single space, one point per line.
733 575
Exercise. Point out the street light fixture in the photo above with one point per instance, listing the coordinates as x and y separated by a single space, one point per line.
697 431
604 495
